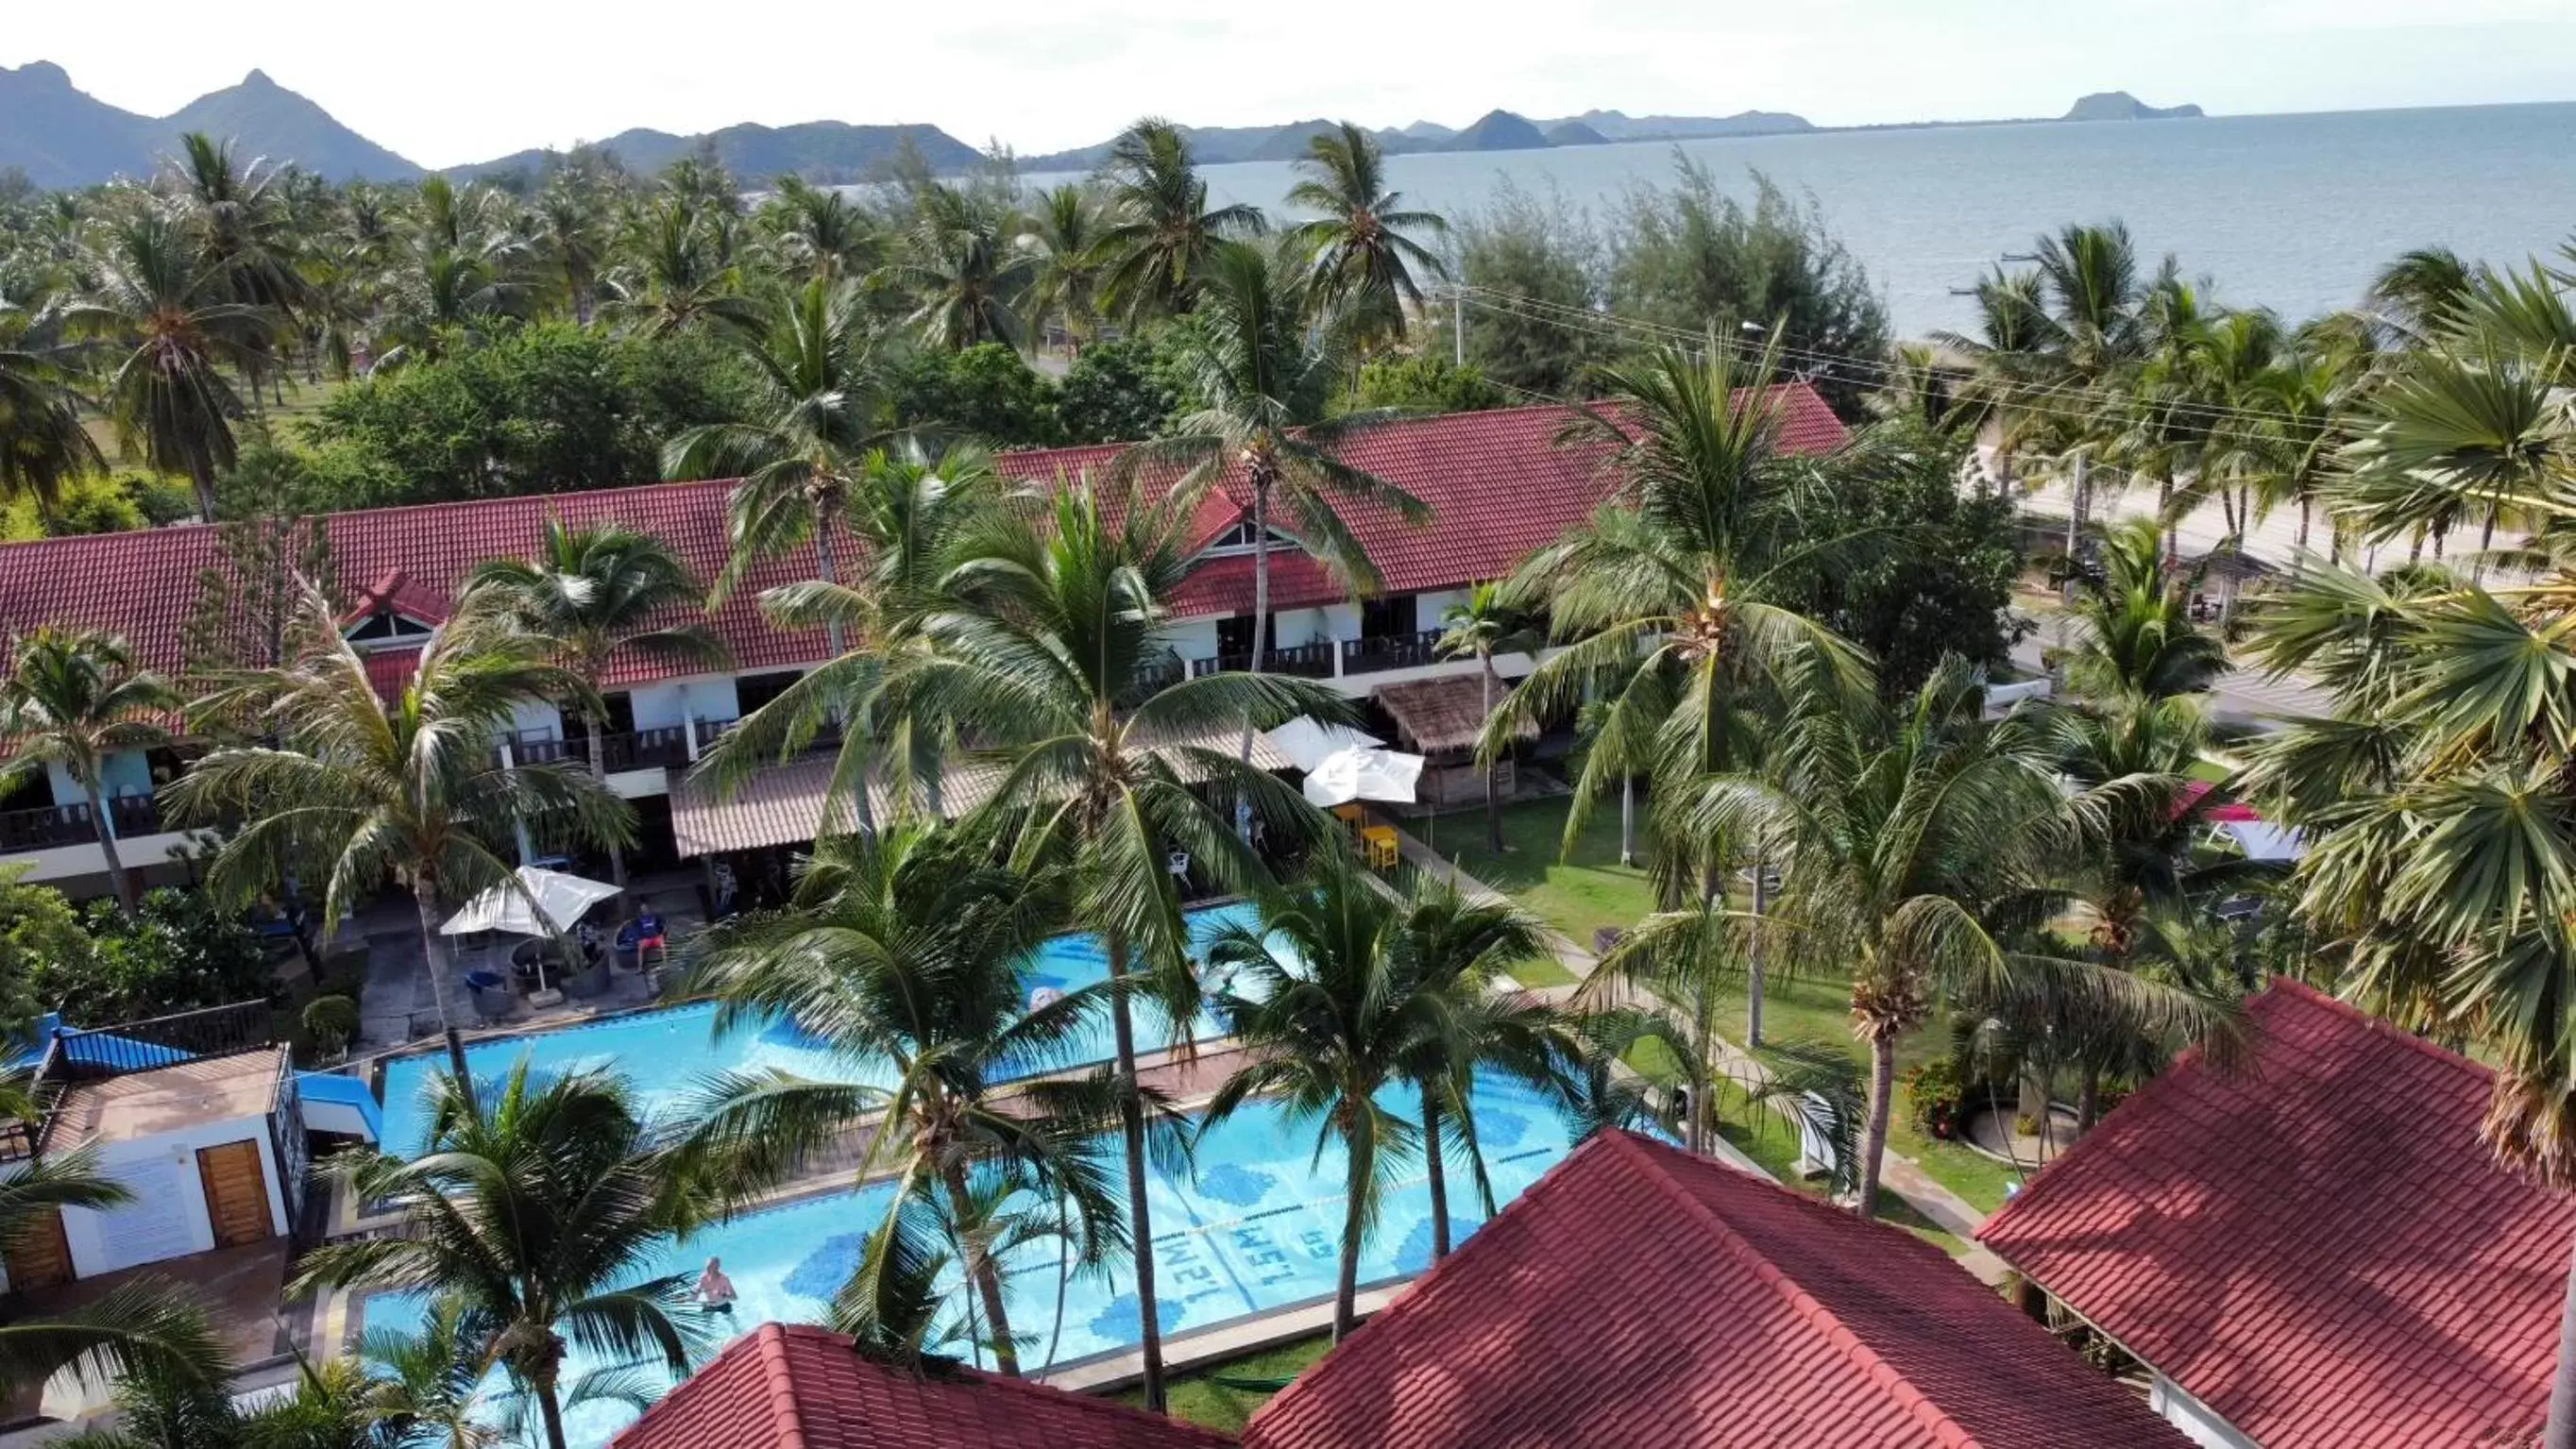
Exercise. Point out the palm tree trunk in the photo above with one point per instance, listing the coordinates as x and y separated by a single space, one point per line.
2088 1099
1703 1047
827 569
424 896
2305 509
599 775
1882 1090
1438 1172
550 1409
2560 1431
106 828
1628 821
2075 500
201 476
1131 1125
1494 767
1753 955
2164 515
985 1273
1346 1285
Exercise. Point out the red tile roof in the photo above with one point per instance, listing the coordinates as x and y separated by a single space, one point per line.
1497 484
793 1387
2316 1247
1636 1295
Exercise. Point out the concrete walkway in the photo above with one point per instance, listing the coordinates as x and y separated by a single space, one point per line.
1898 1173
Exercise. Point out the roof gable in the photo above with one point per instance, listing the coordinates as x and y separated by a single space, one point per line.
1637 1295
2317 1247
790 1385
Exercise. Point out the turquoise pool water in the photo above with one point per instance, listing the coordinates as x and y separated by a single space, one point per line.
665 1053
1255 1229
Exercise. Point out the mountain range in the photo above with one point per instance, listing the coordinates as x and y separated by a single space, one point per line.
61 136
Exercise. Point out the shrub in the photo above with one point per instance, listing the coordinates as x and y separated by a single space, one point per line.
176 953
1936 1098
1428 383
330 1024
987 391
1113 394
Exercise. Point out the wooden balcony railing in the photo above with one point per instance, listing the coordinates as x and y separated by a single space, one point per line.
1391 651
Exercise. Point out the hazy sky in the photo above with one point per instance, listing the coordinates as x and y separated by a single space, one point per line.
466 80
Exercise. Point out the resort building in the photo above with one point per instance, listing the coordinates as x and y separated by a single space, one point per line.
1497 485
2312 1249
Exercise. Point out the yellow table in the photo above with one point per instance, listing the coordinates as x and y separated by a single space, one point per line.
1377 846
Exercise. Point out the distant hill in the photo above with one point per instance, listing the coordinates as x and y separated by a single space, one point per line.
62 136
263 118
1575 133
2122 106
1431 131
1619 126
820 151
1497 131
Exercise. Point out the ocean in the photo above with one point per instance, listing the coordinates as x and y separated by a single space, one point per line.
2290 212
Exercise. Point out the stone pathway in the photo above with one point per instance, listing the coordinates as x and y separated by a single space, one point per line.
1898 1173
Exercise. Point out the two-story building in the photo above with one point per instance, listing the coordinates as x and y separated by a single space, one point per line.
1497 485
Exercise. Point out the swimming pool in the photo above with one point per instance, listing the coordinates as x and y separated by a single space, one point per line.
664 1053
1258 1228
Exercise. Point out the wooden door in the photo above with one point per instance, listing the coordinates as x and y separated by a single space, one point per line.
236 1191
42 1256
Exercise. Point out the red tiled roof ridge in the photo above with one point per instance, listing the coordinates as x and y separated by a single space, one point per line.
2280 989
762 1351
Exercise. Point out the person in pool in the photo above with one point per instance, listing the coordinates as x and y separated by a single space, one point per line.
714 1291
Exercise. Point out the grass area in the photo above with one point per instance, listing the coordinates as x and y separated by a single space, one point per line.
2208 771
1576 894
1198 1398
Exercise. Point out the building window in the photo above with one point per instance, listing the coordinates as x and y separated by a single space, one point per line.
1391 618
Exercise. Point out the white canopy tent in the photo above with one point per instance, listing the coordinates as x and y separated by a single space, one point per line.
2262 840
1308 744
1363 773
558 901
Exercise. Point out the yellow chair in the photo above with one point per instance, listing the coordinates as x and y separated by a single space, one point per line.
1378 842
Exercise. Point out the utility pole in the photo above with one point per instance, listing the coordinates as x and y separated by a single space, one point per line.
1458 325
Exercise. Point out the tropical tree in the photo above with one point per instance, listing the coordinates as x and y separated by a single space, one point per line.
1067 228
1053 654
1265 374
539 1213
817 230
910 948
2005 391
679 274
72 699
1899 834
1481 625
1363 260
962 257
2139 639
1671 602
815 413
175 333
143 1324
1162 234
43 444
595 593
357 790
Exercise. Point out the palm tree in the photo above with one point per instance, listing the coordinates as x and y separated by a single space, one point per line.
2093 334
43 444
962 257
1162 233
164 308
815 411
910 948
2140 642
1483 624
2005 390
246 229
1670 595
568 238
1054 656
1363 259
817 230
1326 1038
1067 288
539 1212
1684 961
138 1325
358 790
72 699
595 593
678 276
1897 834
1266 375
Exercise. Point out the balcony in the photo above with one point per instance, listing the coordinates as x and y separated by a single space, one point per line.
1391 651
72 1057
1306 661
57 825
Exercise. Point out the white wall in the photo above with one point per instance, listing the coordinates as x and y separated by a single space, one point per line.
532 716
168 1218
663 706
1342 621
2197 1421
1427 608
67 862
127 772
1192 638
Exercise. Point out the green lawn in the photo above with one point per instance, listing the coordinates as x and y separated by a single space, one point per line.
1197 1397
1576 895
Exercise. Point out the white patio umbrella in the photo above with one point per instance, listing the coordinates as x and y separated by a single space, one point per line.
1308 744
1363 773
2262 840
559 899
